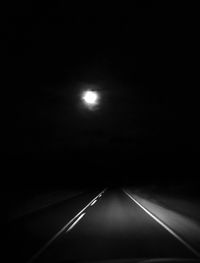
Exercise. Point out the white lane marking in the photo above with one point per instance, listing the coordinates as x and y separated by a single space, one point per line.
46 245
165 226
77 220
93 202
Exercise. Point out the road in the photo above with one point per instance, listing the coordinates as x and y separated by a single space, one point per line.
92 226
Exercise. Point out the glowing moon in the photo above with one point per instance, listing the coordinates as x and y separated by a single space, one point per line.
90 98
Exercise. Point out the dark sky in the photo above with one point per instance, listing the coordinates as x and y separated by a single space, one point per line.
137 57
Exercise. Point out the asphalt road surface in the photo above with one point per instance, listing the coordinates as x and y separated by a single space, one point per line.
100 225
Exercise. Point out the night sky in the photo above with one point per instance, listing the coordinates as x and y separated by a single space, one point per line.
146 127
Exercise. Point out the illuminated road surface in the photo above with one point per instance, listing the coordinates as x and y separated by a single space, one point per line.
92 226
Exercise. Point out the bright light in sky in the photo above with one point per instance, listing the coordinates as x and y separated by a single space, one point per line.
90 98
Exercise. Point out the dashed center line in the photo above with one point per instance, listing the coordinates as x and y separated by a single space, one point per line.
93 202
77 217
77 220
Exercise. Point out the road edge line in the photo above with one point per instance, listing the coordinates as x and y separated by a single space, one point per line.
75 222
47 244
186 244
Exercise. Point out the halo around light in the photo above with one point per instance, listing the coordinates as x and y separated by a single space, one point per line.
90 98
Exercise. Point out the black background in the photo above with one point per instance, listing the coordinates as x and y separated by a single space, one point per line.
143 61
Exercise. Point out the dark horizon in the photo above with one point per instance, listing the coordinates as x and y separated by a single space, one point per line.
147 122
